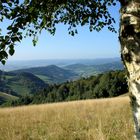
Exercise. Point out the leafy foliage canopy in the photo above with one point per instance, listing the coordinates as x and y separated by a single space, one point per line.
29 17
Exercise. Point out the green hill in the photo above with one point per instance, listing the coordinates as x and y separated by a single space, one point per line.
51 74
54 74
88 70
4 97
110 84
20 84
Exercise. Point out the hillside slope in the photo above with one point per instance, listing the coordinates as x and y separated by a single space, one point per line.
104 119
110 84
27 83
20 84
88 70
4 97
52 73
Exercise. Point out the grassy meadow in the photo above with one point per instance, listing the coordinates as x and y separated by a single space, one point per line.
103 119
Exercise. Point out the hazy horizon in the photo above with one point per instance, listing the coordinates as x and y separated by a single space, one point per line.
20 64
97 58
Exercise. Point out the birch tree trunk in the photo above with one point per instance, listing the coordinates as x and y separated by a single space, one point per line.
130 52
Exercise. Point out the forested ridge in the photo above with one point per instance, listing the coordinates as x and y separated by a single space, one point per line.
109 84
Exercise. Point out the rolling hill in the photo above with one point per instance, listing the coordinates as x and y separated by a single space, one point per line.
55 74
30 81
109 84
4 97
88 70
20 84
22 64
26 83
51 74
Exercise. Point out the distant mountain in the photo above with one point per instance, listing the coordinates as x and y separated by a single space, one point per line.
55 74
88 70
51 74
82 70
22 64
117 65
76 66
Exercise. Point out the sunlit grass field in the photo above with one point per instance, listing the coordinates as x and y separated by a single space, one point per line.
104 119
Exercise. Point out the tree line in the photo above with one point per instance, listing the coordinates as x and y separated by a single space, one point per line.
109 84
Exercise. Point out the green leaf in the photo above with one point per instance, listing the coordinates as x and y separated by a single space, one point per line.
10 4
14 39
4 54
3 62
9 28
11 51
15 30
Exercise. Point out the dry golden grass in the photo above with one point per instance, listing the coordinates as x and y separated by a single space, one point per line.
105 119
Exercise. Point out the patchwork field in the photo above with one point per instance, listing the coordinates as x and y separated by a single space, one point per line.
103 119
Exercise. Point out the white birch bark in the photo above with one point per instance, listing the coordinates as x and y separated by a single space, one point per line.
130 51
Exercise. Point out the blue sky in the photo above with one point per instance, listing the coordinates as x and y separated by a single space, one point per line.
84 45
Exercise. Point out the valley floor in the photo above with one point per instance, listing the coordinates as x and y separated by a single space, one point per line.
102 119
